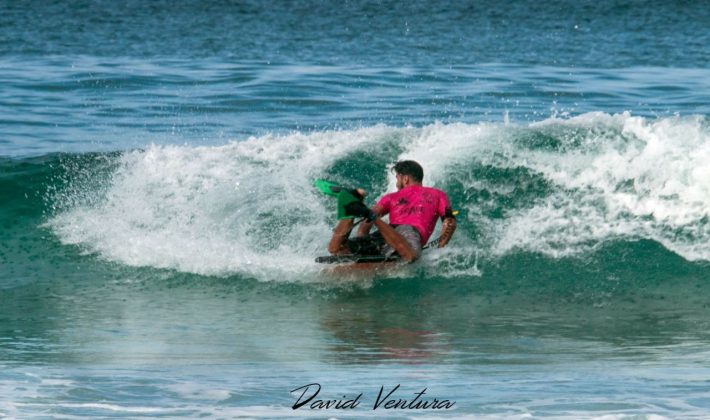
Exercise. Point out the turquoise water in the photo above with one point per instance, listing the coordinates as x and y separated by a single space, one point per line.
159 225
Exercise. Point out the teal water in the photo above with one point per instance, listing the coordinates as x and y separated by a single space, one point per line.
158 224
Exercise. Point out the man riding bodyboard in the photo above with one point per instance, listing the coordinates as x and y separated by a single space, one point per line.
413 212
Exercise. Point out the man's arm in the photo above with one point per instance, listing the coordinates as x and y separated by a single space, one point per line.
447 230
366 226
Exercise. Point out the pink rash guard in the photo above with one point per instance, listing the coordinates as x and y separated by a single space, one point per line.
416 206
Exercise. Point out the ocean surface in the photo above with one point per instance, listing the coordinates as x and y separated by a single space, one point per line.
158 221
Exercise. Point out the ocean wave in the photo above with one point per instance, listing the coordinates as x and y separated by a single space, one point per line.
558 187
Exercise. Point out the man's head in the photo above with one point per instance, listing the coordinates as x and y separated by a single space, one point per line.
408 173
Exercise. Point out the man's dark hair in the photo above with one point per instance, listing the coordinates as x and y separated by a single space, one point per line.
409 167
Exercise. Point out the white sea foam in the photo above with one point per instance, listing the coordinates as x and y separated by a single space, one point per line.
244 207
650 180
248 207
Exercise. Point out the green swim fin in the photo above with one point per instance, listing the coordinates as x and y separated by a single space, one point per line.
345 197
328 188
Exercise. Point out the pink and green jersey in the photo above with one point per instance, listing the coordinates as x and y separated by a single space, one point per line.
416 206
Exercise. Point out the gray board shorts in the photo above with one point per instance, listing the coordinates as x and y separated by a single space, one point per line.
374 244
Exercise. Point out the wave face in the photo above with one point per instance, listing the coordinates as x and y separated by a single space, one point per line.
558 188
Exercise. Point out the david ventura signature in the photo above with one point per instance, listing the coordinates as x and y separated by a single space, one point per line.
386 401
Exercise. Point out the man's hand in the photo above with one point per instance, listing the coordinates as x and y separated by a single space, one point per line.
366 226
359 209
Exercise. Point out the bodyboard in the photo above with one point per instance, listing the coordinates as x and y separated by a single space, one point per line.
354 258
